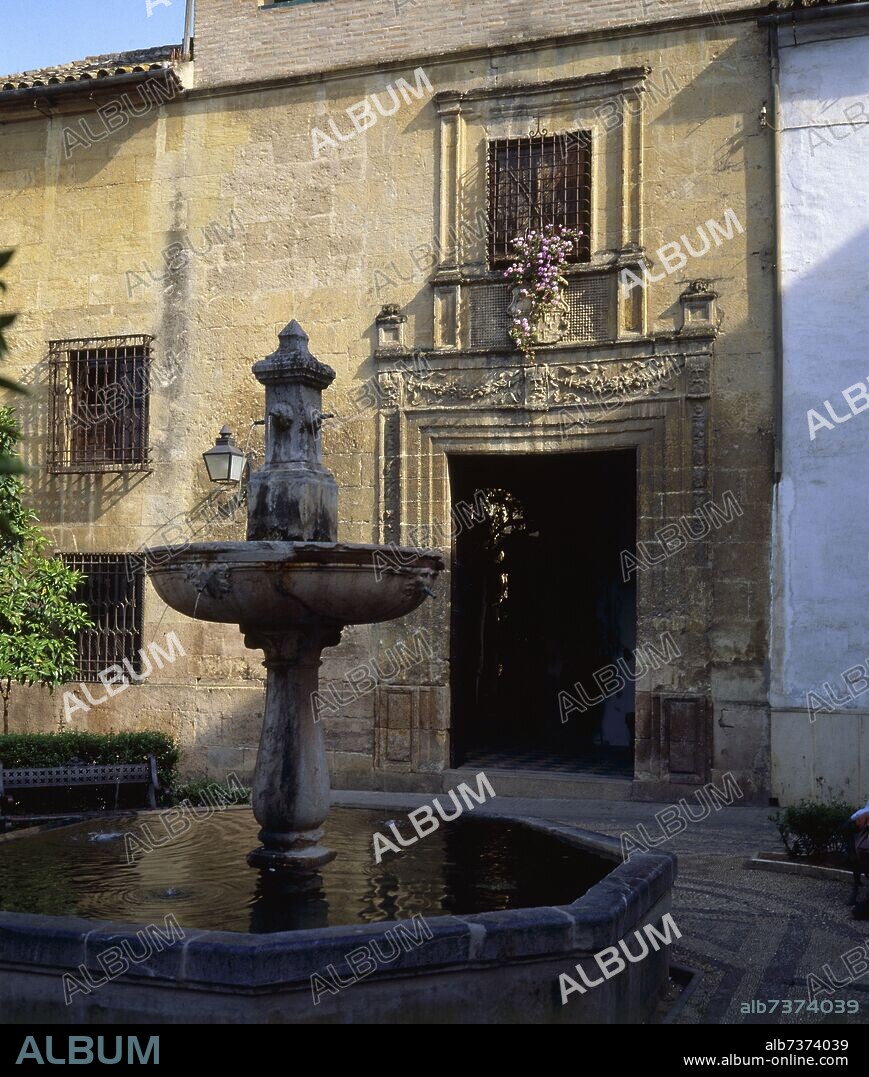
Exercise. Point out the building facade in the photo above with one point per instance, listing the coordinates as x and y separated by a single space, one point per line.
605 506
820 736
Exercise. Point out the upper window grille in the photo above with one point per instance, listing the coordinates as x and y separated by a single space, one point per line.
536 181
99 400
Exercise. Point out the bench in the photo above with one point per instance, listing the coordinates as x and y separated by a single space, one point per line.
74 774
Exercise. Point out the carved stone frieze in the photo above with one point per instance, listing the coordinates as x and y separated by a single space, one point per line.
389 389
630 378
504 388
537 388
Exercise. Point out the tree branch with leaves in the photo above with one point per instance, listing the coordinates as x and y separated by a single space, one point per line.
39 618
9 465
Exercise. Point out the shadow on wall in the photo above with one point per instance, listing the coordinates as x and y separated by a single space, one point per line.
61 499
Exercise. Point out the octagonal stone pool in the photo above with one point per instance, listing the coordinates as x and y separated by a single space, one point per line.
132 869
499 907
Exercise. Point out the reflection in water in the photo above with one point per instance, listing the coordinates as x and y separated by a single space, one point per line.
283 904
471 865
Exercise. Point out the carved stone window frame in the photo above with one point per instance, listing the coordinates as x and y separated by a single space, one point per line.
610 106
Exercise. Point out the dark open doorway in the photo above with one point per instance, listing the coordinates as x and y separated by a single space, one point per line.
539 606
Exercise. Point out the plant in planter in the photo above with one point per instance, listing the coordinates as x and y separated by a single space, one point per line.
814 828
539 309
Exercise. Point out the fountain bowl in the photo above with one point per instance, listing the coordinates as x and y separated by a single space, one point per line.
292 584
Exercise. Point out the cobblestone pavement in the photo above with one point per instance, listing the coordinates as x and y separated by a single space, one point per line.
754 936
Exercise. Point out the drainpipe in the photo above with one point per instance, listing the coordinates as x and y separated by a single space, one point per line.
778 332
187 50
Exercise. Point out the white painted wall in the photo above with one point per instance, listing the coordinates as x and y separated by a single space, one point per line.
820 570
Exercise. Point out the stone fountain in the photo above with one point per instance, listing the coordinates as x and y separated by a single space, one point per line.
291 588
499 920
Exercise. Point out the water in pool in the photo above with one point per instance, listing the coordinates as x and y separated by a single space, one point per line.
468 866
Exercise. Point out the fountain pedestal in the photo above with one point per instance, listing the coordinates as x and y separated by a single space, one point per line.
291 784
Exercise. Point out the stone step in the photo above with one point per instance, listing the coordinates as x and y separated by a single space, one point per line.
542 783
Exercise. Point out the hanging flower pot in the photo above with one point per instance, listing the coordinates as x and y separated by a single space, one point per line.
548 325
538 308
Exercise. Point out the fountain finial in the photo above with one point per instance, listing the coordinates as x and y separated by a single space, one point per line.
293 497
295 334
293 361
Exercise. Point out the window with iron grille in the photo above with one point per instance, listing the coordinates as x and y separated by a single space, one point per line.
112 592
536 181
99 399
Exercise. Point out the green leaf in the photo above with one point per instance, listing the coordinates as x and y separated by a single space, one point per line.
39 619
8 432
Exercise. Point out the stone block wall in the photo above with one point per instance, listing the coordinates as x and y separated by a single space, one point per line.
280 233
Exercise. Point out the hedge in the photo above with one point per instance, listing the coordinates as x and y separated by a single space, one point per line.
815 828
59 749
204 792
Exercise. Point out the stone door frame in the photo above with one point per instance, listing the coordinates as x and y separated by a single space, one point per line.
594 399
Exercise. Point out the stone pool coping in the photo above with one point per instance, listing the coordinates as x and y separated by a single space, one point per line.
776 863
215 960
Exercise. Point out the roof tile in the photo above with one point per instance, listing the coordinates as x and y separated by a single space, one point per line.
95 67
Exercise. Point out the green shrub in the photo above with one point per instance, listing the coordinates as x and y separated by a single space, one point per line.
59 749
40 620
815 828
205 791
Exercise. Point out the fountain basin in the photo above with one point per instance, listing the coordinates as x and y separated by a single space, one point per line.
498 966
292 584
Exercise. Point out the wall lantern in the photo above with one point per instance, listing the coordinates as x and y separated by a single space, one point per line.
226 462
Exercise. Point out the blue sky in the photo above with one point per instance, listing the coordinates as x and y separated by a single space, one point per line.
39 33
